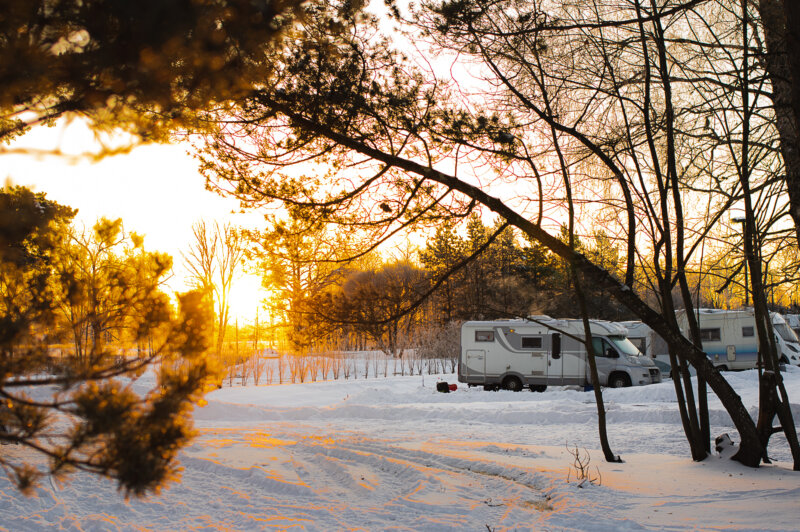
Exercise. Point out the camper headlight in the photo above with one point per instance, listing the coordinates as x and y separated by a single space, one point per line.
634 360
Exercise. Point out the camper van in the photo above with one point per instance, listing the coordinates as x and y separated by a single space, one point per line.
734 329
542 351
787 340
730 337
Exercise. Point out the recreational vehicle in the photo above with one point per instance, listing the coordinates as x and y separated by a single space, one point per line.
730 338
787 340
645 339
735 330
541 351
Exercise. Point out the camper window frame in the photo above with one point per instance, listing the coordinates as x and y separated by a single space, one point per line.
604 347
711 334
484 336
748 331
539 338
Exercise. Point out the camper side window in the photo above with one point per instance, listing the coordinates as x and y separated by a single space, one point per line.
748 332
600 347
531 342
484 336
711 335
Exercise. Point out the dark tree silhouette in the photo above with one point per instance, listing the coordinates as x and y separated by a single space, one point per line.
146 67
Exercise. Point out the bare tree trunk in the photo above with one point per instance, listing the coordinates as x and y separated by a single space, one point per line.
770 401
666 182
595 379
780 20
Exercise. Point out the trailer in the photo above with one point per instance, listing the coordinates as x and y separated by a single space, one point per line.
541 351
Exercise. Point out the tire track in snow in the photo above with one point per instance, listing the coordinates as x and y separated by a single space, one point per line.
357 482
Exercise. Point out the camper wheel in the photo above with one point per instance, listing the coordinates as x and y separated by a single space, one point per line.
538 387
619 380
512 383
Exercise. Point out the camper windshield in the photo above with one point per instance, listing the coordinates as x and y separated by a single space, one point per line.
624 345
785 332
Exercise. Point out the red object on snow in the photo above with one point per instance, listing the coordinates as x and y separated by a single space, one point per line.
453 387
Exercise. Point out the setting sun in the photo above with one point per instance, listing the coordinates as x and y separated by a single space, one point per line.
247 298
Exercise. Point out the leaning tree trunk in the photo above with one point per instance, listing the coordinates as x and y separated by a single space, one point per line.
594 377
773 397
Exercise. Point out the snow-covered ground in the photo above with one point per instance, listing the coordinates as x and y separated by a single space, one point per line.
392 453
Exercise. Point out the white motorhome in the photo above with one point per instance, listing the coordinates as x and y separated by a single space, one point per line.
730 338
542 351
787 340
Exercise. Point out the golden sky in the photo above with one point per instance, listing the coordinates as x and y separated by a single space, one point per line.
155 189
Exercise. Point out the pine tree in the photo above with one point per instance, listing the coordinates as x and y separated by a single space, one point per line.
101 289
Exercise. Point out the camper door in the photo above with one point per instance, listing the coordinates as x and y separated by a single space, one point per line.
555 362
547 357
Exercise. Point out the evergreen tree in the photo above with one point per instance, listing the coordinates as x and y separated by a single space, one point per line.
298 262
442 252
32 231
147 66
73 406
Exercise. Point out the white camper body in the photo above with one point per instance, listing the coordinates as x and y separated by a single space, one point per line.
645 339
730 337
793 321
650 344
787 340
543 351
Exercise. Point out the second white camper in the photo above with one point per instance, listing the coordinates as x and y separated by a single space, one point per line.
730 338
543 351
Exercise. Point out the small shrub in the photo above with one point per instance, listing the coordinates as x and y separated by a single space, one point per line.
580 468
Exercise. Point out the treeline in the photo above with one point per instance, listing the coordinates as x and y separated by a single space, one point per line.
323 300
74 293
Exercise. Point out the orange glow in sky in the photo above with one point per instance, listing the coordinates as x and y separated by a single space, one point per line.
155 189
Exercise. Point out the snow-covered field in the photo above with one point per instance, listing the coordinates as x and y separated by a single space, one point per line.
392 453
